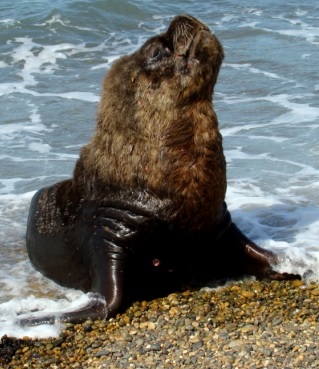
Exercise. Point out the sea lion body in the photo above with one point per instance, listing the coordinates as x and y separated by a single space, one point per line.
146 203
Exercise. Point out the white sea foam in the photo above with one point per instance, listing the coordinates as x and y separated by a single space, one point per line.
256 71
6 130
301 30
8 185
40 147
21 308
57 19
254 11
296 112
44 61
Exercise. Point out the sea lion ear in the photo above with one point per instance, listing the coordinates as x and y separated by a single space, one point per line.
221 55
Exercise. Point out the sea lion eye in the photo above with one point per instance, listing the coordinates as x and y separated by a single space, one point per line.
154 53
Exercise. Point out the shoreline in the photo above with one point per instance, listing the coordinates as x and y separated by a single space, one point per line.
247 324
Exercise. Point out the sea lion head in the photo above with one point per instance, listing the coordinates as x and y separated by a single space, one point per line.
187 55
169 70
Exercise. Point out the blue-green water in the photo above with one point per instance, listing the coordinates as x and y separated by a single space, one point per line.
53 56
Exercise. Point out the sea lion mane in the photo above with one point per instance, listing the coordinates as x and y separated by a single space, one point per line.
157 137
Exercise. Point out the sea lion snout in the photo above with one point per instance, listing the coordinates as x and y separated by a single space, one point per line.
182 31
196 52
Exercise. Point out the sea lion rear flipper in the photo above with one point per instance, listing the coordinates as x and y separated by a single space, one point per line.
259 261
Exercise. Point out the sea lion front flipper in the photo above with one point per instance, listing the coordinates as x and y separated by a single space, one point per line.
114 234
107 268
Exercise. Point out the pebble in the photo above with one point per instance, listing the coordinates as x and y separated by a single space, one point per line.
248 294
247 325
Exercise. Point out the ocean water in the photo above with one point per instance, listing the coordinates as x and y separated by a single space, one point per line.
53 56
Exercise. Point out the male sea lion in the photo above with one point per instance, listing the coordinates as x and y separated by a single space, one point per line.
145 205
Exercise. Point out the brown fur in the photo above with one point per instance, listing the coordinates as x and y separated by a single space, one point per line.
157 133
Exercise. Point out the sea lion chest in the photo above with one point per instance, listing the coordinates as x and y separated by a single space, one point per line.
174 164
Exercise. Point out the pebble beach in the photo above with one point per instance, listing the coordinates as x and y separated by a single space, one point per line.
245 324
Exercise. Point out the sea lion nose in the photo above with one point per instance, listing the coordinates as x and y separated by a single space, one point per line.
190 21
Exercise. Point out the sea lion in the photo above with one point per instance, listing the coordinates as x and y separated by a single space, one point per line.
146 204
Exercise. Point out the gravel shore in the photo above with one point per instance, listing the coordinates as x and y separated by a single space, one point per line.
248 324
